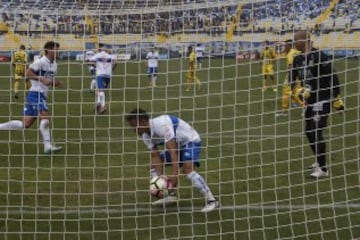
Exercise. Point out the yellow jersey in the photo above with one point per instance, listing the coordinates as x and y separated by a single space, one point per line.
291 55
268 55
19 59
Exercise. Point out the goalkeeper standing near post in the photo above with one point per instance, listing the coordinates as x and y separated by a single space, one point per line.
321 89
268 56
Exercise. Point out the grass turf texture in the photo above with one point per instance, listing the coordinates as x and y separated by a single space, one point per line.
97 188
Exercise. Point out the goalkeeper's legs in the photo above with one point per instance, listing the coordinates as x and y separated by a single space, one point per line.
315 122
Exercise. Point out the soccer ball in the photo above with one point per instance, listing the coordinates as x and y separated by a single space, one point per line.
159 186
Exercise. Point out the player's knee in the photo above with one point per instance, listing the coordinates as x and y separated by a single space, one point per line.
187 167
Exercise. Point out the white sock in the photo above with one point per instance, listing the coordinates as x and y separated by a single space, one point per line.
93 84
12 125
101 99
45 132
199 183
153 173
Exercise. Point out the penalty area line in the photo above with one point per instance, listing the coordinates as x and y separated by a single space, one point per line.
119 210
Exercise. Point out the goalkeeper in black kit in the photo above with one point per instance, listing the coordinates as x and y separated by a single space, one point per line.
321 88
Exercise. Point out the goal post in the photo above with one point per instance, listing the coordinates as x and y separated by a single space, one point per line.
254 162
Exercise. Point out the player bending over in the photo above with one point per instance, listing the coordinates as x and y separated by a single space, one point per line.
182 148
287 92
191 77
92 69
268 56
105 64
19 62
41 74
152 64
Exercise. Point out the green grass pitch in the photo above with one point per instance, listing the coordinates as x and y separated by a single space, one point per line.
97 188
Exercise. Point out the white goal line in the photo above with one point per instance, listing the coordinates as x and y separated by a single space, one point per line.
119 209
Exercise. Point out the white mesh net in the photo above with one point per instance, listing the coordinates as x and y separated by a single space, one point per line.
254 162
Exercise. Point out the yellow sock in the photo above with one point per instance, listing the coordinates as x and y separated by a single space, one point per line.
16 85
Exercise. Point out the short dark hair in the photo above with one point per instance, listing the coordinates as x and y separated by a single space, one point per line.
137 114
101 45
22 47
50 45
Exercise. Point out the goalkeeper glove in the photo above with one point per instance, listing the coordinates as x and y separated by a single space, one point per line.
305 92
338 104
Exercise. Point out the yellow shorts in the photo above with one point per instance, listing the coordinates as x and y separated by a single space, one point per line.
267 69
19 76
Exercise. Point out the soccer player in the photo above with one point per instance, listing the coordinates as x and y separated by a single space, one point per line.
92 69
152 64
19 62
287 93
191 77
182 149
321 87
41 74
199 50
105 64
268 56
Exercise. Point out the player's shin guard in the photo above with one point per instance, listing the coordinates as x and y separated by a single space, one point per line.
198 182
45 133
12 125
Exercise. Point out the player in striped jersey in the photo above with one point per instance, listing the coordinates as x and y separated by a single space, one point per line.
19 62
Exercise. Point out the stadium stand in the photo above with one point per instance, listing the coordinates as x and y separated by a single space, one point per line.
208 20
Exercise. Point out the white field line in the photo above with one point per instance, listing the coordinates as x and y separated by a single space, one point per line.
120 210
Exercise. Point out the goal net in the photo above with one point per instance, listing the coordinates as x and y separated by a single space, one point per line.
254 161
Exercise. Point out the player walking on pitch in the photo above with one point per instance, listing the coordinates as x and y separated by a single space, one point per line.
321 88
19 62
268 56
152 64
182 148
191 77
41 74
105 64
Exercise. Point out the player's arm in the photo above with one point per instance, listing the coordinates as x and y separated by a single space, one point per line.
156 162
30 73
328 67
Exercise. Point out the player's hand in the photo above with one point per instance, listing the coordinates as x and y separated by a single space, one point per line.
338 104
59 84
46 81
173 179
